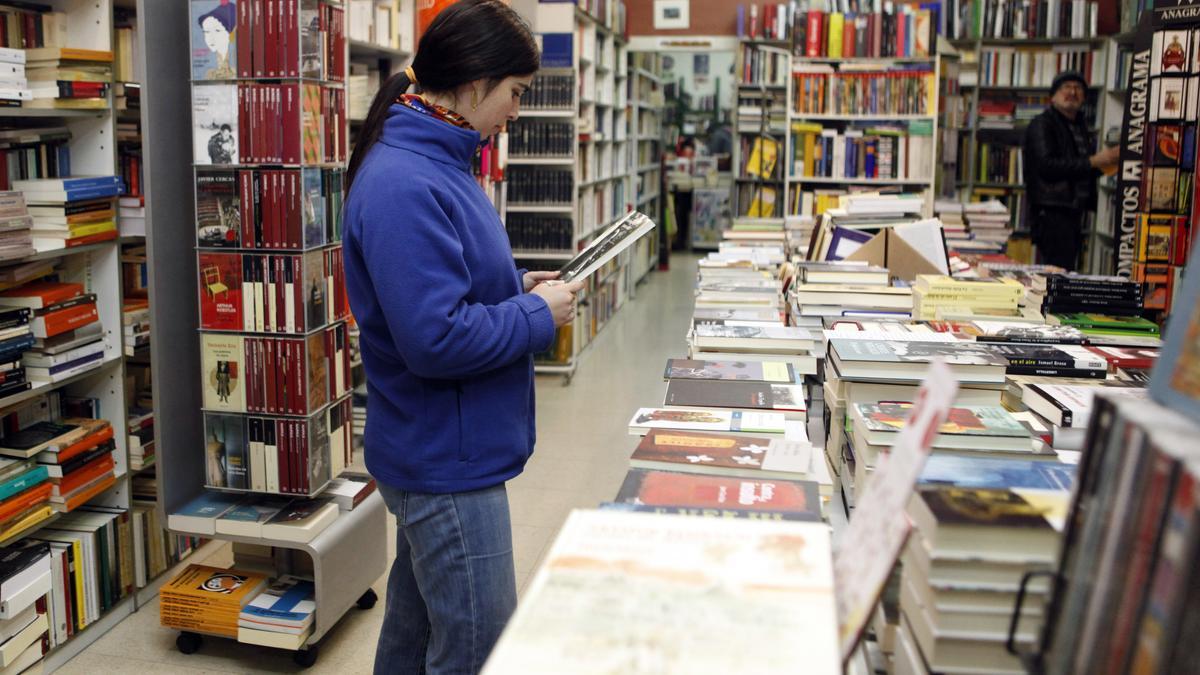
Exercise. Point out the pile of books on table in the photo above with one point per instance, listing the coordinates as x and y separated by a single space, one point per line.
280 616
940 296
989 221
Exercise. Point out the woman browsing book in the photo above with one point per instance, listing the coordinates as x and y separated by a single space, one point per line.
448 328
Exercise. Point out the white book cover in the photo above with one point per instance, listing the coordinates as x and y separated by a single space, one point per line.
625 592
753 332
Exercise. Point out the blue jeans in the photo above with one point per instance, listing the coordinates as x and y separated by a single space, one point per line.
452 586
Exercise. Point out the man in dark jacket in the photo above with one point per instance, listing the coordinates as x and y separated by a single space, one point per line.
1061 172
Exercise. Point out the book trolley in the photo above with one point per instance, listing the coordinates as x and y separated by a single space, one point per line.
255 298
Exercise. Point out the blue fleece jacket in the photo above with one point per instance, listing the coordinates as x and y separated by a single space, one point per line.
447 333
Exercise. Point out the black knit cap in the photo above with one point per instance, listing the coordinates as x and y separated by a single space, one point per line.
1065 77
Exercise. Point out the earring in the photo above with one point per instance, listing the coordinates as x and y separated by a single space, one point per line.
474 99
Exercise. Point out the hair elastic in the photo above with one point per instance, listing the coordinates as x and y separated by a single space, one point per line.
412 76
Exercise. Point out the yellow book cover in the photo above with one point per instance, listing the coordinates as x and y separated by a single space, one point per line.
222 586
762 157
836 23
763 205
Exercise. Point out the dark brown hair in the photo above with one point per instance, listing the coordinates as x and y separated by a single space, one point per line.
468 41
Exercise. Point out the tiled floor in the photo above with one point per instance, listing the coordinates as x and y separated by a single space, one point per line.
581 458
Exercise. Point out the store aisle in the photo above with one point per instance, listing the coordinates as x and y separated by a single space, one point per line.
581 458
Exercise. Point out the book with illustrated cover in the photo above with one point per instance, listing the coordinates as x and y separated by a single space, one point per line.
719 316
1068 357
722 454
1070 405
246 518
1011 331
752 371
226 453
628 577
720 496
214 39
1126 357
617 238
786 398
1003 524
706 420
218 209
1175 381
992 427
313 207
995 473
200 515
903 360
215 124
223 360
220 288
753 338
301 521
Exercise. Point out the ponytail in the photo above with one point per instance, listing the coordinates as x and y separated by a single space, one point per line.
468 41
373 126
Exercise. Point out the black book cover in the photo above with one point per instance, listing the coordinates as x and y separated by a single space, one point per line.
730 394
1045 356
18 557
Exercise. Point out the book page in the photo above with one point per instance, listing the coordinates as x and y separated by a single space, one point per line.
867 550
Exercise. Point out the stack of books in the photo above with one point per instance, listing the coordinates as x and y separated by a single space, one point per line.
62 77
939 296
954 225
1105 328
280 616
141 437
24 495
990 222
25 581
1078 293
969 431
135 320
266 516
206 599
754 343
962 566
156 550
820 301
15 340
76 453
14 88
69 212
65 326
15 224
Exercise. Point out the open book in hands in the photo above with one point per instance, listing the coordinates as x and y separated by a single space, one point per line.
605 247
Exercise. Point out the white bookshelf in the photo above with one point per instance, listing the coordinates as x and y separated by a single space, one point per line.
601 165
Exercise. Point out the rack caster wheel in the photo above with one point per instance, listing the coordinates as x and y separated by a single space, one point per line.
305 658
367 600
189 643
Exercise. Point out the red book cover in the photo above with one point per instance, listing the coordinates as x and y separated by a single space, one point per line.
63 320
271 203
258 27
268 347
291 123
297 462
1180 241
23 500
814 33
40 294
220 290
720 495
255 360
246 202
272 39
1126 357
83 475
243 33
280 318
282 456
848 36
291 209
288 8
91 239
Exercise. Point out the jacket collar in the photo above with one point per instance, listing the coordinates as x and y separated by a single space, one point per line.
425 135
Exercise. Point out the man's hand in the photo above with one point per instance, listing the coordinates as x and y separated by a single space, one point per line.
532 279
1106 158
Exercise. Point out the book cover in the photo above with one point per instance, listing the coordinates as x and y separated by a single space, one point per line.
220 287
986 508
214 39
708 420
1009 331
288 599
769 579
756 371
218 209
1050 356
215 124
316 291
759 395
721 495
962 420
254 511
223 360
753 332
1175 381
952 353
313 207
225 451
995 473
209 505
715 453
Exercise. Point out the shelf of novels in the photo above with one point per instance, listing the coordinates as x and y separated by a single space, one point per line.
570 153
263 192
760 128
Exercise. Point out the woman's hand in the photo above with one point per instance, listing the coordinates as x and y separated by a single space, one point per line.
532 279
561 299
